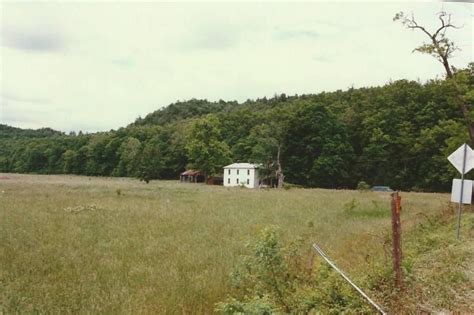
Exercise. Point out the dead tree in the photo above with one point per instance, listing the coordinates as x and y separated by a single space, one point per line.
440 46
279 172
442 49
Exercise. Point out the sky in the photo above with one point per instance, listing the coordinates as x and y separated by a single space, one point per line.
95 66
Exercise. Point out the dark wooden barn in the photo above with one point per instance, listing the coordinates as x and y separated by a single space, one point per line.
191 176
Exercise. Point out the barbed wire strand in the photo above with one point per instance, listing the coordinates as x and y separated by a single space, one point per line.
323 255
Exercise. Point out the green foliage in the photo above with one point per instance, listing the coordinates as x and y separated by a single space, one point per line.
317 152
129 157
183 110
396 135
152 161
7 132
288 186
277 279
254 306
205 150
363 186
353 209
69 160
351 205
434 263
169 248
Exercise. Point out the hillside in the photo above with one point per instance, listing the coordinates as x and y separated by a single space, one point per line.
8 132
183 110
398 134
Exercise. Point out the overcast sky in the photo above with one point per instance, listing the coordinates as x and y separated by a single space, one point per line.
94 66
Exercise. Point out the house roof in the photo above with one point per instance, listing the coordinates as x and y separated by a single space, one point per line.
243 165
191 173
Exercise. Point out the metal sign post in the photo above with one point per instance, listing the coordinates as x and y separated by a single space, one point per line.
458 225
463 160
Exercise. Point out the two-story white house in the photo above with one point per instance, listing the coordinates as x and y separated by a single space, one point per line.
238 174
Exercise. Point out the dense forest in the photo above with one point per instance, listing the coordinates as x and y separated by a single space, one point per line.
398 134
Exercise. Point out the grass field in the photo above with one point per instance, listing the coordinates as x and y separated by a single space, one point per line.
72 244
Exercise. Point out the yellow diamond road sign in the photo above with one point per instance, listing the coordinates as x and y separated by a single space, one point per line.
457 159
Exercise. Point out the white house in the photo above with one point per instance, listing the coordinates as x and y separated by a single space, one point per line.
238 174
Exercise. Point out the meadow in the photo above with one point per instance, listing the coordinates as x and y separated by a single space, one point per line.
74 244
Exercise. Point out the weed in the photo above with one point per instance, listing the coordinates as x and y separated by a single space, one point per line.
355 210
276 272
288 186
363 186
351 206
168 247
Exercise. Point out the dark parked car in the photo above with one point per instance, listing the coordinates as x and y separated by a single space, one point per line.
382 188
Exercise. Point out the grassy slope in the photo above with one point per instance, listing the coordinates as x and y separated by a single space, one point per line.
71 244
439 269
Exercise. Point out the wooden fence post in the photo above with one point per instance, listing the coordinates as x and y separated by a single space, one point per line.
396 239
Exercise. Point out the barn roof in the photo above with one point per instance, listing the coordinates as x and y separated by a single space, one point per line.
243 165
191 173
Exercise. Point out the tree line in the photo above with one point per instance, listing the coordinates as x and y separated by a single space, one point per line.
398 134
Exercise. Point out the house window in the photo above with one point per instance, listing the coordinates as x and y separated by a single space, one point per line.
248 181
237 180
248 172
228 172
228 180
237 172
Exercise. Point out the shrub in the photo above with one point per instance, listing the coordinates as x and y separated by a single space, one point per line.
288 186
363 186
350 206
278 279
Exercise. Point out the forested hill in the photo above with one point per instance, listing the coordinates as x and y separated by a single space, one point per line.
398 134
8 132
183 110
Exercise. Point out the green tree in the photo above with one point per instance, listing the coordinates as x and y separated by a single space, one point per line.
110 154
263 150
398 134
129 157
318 152
69 161
442 49
35 158
152 160
205 149
268 142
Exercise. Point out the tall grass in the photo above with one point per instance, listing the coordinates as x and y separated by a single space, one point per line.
100 245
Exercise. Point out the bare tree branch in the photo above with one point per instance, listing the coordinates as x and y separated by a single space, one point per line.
441 48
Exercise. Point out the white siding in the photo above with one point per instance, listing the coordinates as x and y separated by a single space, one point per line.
238 176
